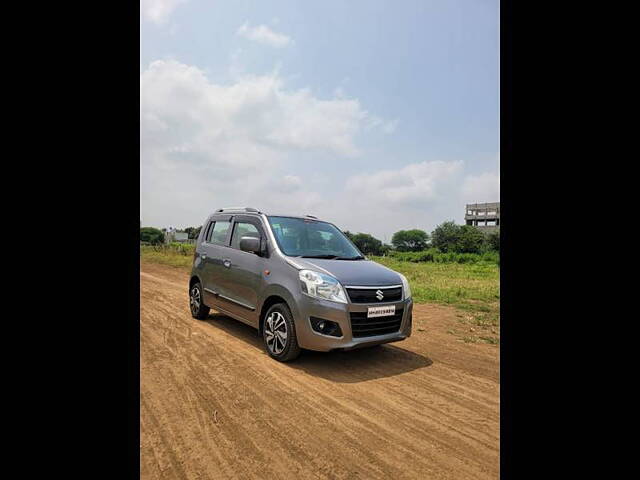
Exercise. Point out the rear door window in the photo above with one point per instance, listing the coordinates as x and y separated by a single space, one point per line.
218 233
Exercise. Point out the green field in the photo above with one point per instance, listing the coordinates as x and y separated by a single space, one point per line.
175 256
473 289
468 286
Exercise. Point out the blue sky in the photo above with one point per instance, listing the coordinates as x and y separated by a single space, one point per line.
376 115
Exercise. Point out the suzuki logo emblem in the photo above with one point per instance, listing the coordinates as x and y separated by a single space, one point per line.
379 295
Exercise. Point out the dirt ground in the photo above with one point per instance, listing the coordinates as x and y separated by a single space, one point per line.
214 405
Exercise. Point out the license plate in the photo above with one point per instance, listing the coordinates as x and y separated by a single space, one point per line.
381 311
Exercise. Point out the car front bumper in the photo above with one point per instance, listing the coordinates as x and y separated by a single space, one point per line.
341 314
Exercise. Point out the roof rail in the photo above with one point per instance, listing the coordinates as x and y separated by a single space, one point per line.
311 216
238 209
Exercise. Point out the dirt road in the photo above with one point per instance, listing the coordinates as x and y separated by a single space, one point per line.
214 405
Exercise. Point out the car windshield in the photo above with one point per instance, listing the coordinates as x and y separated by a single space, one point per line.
302 237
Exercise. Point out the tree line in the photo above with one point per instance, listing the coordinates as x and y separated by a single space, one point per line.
448 237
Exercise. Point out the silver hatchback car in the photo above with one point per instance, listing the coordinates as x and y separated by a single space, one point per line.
299 280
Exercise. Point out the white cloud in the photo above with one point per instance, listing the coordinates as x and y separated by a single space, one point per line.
158 11
264 34
256 111
481 188
416 182
290 183
205 145
418 195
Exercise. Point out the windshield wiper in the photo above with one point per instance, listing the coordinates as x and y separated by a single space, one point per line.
334 257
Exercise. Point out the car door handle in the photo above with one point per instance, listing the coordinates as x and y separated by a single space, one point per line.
226 262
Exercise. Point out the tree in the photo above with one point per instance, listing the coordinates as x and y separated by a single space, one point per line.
151 235
446 237
410 240
367 244
193 232
492 241
349 235
471 240
449 237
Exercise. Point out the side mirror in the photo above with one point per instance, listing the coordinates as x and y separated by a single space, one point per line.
250 244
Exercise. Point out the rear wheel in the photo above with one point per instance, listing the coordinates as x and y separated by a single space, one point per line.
279 333
198 309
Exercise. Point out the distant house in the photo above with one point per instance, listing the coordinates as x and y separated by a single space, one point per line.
484 216
173 236
180 236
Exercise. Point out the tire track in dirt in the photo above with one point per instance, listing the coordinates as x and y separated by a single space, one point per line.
214 405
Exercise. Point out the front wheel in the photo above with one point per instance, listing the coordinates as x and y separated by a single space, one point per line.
279 333
196 304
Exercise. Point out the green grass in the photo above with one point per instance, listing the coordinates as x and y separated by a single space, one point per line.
434 255
473 288
174 255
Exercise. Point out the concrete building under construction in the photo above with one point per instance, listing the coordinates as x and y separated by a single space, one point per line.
485 216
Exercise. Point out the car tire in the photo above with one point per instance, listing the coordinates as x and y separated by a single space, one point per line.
279 333
196 302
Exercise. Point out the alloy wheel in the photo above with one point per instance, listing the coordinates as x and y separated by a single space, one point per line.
194 300
276 333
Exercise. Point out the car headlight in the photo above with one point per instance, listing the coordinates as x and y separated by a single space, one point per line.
320 285
405 286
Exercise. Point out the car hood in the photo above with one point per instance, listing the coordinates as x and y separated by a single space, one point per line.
351 272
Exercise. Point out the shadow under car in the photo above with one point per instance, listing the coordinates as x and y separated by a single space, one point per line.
351 366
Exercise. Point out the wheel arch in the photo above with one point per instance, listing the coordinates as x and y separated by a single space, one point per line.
276 294
268 303
193 280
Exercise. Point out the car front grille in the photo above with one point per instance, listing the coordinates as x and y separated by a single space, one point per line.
361 326
370 295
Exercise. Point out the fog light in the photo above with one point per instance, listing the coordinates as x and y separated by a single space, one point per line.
325 327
